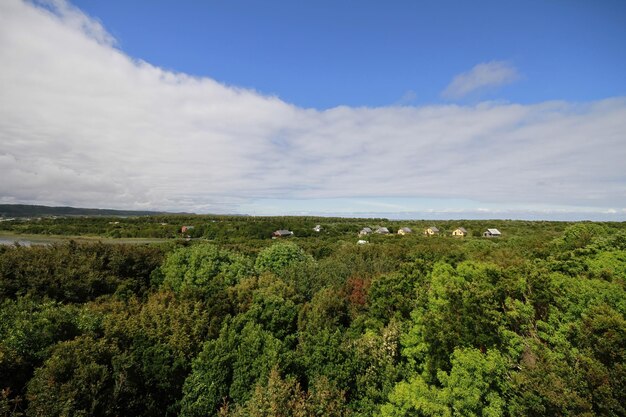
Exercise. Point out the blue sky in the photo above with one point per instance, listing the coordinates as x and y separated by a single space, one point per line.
404 109
365 53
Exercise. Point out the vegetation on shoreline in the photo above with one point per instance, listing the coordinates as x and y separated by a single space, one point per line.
530 324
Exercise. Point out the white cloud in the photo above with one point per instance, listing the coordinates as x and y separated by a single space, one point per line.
76 19
83 124
483 76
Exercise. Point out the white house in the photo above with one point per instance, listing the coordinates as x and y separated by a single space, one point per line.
282 233
492 233
459 231
365 231
431 231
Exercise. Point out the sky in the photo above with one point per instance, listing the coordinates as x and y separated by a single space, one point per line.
447 109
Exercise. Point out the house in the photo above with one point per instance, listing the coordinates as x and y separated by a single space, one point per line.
404 231
361 242
431 231
185 229
382 231
459 231
365 231
282 233
492 233
317 228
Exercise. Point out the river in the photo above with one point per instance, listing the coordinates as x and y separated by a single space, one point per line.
22 242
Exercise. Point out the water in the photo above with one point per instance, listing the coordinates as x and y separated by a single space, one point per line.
31 240
11 242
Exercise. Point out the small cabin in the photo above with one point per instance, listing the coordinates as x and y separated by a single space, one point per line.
431 231
282 233
492 233
404 231
382 231
459 232
365 231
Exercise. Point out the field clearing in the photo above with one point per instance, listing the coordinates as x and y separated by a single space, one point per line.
8 238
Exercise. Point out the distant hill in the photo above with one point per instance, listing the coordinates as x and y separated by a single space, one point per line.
25 210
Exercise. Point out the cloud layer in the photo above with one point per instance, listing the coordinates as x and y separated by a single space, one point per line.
480 78
83 124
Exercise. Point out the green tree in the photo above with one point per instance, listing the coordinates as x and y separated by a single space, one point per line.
459 308
601 337
322 340
77 380
475 386
376 367
284 397
229 367
391 295
204 269
580 235
157 338
279 256
548 383
269 302
28 331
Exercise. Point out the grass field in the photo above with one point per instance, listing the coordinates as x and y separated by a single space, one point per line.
8 238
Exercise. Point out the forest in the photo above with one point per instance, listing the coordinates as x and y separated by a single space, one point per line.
226 321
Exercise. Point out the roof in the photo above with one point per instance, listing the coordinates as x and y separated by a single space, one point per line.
382 230
406 229
434 229
283 232
366 229
494 231
462 229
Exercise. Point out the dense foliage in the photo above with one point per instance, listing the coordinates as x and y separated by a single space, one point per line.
530 324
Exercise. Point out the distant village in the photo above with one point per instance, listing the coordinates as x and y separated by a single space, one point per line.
429 231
